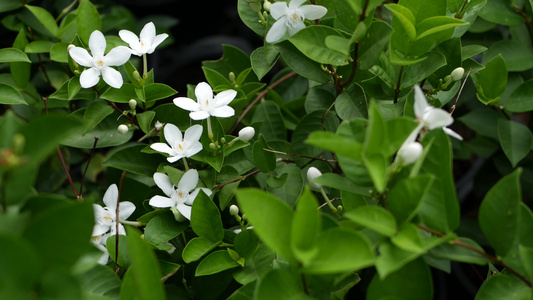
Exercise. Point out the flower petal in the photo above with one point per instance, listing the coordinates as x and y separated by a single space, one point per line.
98 212
160 201
130 38
193 133
158 40
420 102
436 117
296 3
452 133
277 31
163 182
89 78
185 210
188 181
148 33
81 56
313 12
161 147
175 158
118 56
97 43
186 104
278 10
125 209
112 77
111 197
194 194
199 115
99 229
223 112
224 98
172 134
193 149
203 92
298 26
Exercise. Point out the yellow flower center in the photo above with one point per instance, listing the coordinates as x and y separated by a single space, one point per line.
294 16
100 63
181 148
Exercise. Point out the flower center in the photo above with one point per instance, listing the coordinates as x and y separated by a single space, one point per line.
180 196
181 147
294 17
99 62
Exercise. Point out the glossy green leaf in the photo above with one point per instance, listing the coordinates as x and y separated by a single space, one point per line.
491 81
521 99
94 114
100 281
88 20
501 12
215 262
375 218
435 25
13 55
405 17
21 71
21 265
122 95
517 55
515 139
407 195
131 159
280 284
163 228
145 120
293 186
38 47
305 228
265 160
260 64
198 247
352 103
205 218
45 18
301 64
158 91
503 286
501 203
372 44
273 127
311 42
123 250
270 217
336 144
338 182
10 95
458 253
59 52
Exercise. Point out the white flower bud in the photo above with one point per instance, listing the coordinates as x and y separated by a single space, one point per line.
70 47
313 173
122 129
457 74
267 5
132 103
246 133
158 125
233 210
409 153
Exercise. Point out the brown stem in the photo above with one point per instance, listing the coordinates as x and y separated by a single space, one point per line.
117 223
460 91
87 167
259 97
115 107
324 204
221 185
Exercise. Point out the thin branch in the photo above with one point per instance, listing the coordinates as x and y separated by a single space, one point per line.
298 155
325 203
221 185
452 109
259 97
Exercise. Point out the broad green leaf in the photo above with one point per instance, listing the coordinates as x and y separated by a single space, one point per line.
373 157
273 127
94 114
158 91
10 95
233 60
458 253
21 265
260 64
352 103
88 20
521 99
435 25
100 281
21 71
491 81
503 286
131 159
145 120
517 55
59 52
7 5
293 186
250 17
122 95
405 17
407 195
515 140
413 282
423 9
319 97
39 47
305 228
418 71
336 144
45 18
205 218
338 182
372 44
339 43
215 262
398 130
280 284
13 55
375 218
340 250
301 64
145 268
501 12
123 250
501 203
264 160
198 247
271 218
163 228
348 12
484 121
311 42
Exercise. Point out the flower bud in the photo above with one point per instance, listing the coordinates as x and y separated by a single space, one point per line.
313 173
410 153
233 210
457 74
231 77
267 5
122 129
158 125
246 133
223 140
137 76
212 146
132 104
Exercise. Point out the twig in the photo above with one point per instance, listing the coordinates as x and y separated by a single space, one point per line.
325 203
460 91
221 185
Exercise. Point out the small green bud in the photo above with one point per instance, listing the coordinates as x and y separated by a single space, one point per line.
137 76
340 210
233 210
244 217
238 218
223 140
212 146
447 78
231 77
132 104
233 254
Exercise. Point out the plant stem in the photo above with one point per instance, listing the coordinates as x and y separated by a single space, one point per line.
298 155
397 89
333 209
209 129
185 164
145 66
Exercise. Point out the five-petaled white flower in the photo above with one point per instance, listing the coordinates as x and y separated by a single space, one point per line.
99 63
431 117
180 146
146 42
180 198
105 218
291 17
207 105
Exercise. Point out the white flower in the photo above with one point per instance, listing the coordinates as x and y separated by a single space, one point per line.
146 43
292 18
313 173
207 105
99 63
181 197
410 152
431 117
179 146
105 218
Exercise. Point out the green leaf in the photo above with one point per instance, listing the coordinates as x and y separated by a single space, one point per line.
375 218
305 228
21 265
413 282
162 228
145 120
59 52
13 55
198 247
373 43
88 20
501 203
517 55
123 95
100 281
501 12
339 43
45 18
405 17
311 42
158 91
521 99
131 159
280 284
270 217
273 127
250 17
39 47
515 139
503 286
407 195
336 144
123 250
94 114
301 64
375 138
7 5
215 262
352 103
145 267
264 160
460 254
10 95
260 64
491 81
435 25
21 71
338 182
336 248
205 218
